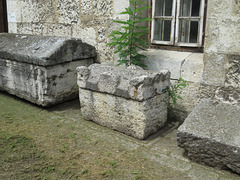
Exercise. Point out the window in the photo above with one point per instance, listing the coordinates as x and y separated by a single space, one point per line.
177 22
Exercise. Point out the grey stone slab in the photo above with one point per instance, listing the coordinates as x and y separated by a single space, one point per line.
41 85
164 59
211 135
134 118
124 82
43 50
42 69
127 99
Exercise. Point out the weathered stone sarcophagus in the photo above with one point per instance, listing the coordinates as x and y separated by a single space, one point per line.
42 69
211 135
127 100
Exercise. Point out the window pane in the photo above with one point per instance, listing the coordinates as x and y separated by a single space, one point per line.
185 8
159 8
195 7
184 30
162 30
168 7
194 32
163 8
167 30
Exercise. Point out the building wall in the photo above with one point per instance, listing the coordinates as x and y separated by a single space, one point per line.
221 73
89 20
212 74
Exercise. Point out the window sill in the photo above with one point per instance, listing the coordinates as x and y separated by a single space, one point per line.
187 65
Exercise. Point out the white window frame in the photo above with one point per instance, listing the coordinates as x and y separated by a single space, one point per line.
174 38
171 42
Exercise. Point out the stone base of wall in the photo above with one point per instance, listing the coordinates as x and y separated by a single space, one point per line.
134 118
41 85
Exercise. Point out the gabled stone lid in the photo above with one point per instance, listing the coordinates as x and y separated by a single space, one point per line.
43 50
125 82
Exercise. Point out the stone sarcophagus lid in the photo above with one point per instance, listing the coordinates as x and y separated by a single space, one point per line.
124 99
42 69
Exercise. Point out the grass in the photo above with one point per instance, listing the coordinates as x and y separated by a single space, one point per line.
56 143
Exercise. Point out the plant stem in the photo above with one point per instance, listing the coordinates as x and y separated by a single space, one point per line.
132 30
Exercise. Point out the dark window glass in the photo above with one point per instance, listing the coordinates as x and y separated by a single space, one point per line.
194 32
162 30
195 7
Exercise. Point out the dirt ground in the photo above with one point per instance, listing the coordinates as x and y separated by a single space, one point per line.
57 143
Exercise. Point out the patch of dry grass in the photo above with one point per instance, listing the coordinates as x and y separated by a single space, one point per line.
56 143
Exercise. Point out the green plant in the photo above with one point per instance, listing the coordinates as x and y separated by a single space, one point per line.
132 36
174 90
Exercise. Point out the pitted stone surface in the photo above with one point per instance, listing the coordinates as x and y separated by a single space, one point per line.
43 50
134 118
124 82
210 135
126 99
42 70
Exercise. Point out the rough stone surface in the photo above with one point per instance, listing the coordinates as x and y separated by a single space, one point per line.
43 50
137 84
221 47
129 100
42 70
134 118
210 135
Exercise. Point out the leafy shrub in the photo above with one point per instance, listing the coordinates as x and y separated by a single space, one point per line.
132 36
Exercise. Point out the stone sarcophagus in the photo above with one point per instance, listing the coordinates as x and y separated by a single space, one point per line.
124 99
42 69
211 135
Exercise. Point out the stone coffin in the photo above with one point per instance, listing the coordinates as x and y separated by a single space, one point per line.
124 99
211 135
42 69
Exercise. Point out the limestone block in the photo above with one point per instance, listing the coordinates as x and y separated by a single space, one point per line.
87 35
125 99
163 59
207 91
89 21
105 53
29 11
190 98
214 69
134 118
59 30
233 71
24 28
210 135
228 95
68 11
46 11
119 6
86 7
102 34
39 29
42 69
42 85
138 85
102 7
192 68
